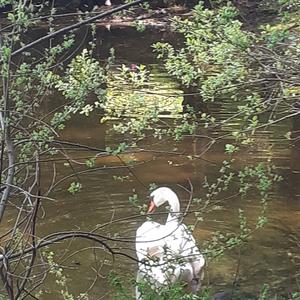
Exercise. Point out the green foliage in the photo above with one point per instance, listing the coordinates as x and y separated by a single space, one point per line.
61 279
264 294
118 150
295 296
4 2
187 126
174 292
26 94
90 162
122 179
83 77
136 75
214 53
260 177
140 26
120 292
74 187
274 35
257 180
152 186
137 203
229 149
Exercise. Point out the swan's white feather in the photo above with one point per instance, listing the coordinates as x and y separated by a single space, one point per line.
168 253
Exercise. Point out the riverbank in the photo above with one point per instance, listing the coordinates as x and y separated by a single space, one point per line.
146 19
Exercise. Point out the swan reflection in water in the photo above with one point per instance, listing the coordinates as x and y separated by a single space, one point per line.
167 253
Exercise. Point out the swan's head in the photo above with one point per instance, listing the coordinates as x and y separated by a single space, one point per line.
162 195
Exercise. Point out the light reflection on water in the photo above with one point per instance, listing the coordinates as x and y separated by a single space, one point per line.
270 257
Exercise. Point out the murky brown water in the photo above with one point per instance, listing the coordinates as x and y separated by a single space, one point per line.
272 256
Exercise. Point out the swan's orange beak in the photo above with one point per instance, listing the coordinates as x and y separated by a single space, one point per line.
151 207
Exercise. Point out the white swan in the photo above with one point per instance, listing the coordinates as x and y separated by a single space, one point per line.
168 253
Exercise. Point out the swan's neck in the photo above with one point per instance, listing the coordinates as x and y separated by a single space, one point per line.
174 210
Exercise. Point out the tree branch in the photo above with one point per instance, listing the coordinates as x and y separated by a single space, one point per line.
77 25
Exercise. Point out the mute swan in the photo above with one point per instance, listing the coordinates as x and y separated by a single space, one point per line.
167 253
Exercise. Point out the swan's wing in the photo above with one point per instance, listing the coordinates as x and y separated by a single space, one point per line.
183 245
170 253
187 241
149 240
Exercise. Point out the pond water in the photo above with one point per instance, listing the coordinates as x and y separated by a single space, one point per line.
271 256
